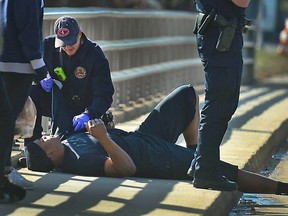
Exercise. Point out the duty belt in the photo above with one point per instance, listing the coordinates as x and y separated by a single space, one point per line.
228 27
215 18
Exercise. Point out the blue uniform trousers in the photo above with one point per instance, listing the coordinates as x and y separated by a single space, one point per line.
223 72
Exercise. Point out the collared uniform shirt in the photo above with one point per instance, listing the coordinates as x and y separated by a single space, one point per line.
225 7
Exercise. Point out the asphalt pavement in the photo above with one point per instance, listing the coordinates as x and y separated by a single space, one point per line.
256 130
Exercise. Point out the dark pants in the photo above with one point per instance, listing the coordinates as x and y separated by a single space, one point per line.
223 72
51 105
172 115
14 90
168 120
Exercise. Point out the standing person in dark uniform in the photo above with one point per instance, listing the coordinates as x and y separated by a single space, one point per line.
78 88
219 28
20 57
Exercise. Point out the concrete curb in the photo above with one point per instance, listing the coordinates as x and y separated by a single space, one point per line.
227 200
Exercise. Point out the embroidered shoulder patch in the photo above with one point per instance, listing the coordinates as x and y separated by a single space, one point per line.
80 72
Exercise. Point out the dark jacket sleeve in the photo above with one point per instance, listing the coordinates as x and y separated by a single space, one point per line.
29 22
49 54
103 88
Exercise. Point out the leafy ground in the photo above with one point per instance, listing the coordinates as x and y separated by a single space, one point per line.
269 63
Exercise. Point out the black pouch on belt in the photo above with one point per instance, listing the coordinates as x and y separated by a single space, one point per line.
227 33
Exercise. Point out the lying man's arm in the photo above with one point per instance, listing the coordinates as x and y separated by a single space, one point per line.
119 164
241 3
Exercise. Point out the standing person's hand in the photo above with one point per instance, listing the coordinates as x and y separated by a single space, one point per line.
79 121
47 83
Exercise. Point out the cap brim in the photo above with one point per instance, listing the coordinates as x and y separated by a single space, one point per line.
37 159
61 43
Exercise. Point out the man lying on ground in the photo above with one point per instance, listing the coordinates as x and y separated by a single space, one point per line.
148 152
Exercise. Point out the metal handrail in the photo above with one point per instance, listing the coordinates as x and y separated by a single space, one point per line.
150 52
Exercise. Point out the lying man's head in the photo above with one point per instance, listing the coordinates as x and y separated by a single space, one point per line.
45 154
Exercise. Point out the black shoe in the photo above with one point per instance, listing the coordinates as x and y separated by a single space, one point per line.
219 183
10 193
22 162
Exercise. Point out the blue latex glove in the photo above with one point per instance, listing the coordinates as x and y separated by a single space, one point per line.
47 83
79 120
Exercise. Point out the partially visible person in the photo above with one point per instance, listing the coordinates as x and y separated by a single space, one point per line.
25 121
21 57
24 126
79 76
219 28
148 152
282 47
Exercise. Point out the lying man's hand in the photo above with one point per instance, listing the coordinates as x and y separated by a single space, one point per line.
97 129
119 163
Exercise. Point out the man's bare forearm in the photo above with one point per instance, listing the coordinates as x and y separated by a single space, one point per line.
119 163
122 163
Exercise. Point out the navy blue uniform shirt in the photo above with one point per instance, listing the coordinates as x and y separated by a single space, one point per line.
225 7
88 75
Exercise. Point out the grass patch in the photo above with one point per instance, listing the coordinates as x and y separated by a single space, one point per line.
269 63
